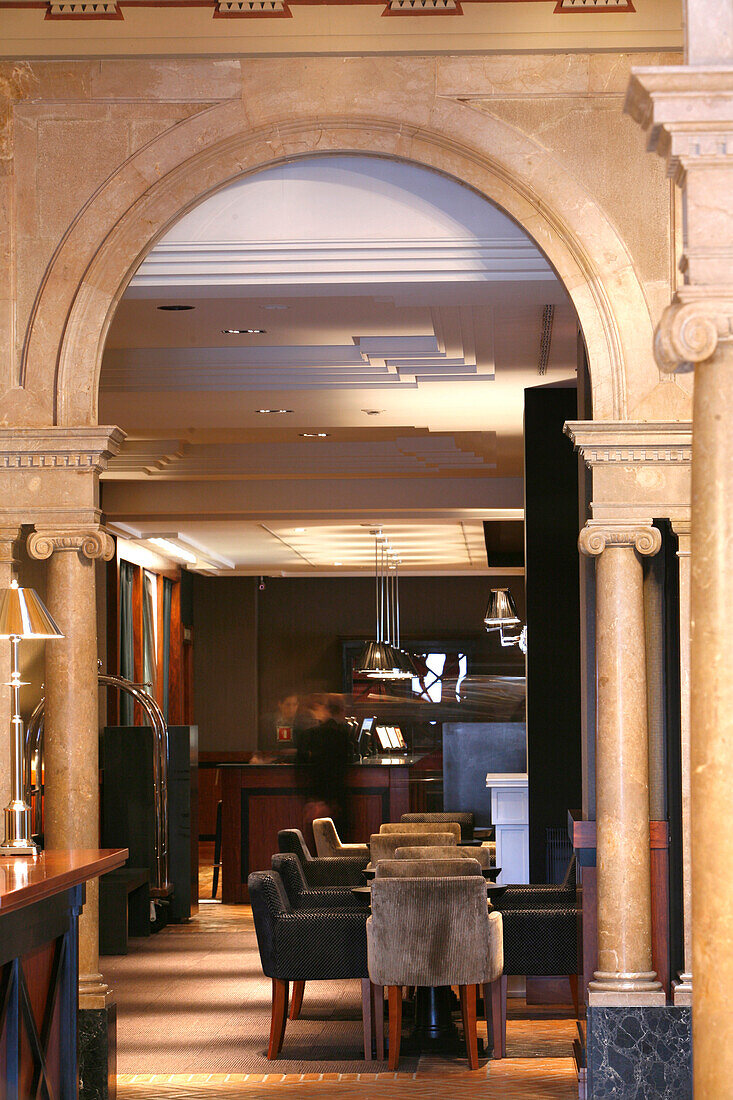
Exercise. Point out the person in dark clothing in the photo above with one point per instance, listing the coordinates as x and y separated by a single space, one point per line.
325 746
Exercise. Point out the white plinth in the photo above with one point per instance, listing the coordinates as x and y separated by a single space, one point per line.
510 817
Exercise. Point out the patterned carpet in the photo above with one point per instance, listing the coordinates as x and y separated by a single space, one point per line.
193 1020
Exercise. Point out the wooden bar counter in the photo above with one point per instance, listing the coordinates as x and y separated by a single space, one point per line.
260 799
40 902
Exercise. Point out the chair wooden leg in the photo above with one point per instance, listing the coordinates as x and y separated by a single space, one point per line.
367 1018
296 1000
468 1011
394 995
279 1015
378 1016
495 995
573 979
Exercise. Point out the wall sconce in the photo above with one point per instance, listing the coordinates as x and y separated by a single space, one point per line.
501 613
22 615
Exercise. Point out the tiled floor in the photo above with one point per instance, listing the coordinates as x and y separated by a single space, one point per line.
161 980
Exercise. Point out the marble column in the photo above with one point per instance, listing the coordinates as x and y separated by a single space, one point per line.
711 721
624 975
682 989
71 803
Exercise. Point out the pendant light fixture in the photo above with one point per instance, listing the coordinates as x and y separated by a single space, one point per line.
382 658
501 613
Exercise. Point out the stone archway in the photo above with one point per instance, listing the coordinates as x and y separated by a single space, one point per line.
151 189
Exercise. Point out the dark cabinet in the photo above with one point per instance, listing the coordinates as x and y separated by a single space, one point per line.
128 806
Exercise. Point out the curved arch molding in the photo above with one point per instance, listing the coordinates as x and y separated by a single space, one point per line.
170 175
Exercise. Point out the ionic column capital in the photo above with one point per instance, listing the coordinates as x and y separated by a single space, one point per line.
90 542
598 535
692 327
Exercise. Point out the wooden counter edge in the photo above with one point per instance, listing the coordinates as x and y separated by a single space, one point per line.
53 871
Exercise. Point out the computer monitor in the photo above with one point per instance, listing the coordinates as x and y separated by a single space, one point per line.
365 741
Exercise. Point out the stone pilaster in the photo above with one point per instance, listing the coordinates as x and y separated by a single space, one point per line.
71 811
625 975
682 989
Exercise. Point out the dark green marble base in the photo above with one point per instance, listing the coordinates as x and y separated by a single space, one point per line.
98 1053
639 1053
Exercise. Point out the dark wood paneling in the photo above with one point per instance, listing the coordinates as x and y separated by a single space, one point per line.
263 815
175 662
113 637
259 800
39 973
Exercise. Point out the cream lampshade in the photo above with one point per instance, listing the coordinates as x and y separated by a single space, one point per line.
22 615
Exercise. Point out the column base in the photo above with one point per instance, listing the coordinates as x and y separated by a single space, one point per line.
682 990
639 1051
639 988
98 1052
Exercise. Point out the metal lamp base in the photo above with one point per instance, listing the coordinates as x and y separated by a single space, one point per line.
18 840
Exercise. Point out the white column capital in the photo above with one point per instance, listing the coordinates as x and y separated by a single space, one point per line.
599 535
90 542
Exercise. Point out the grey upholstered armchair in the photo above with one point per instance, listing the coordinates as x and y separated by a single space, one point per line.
435 931
423 827
481 854
328 842
465 820
384 845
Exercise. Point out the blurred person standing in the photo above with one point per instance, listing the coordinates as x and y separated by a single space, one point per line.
325 746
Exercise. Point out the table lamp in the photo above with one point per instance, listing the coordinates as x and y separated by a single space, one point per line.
22 615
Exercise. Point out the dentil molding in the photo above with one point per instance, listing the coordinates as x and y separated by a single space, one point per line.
630 443
83 448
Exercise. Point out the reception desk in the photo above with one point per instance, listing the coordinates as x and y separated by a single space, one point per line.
40 901
260 799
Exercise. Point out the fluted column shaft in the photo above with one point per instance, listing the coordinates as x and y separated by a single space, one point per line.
624 974
71 799
711 723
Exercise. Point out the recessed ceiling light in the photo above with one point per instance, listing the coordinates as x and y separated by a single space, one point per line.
175 309
372 412
313 435
244 331
273 412
299 530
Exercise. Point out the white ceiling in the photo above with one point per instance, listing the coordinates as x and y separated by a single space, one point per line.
403 317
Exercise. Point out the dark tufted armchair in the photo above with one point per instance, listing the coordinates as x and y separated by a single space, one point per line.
323 871
300 945
303 896
541 930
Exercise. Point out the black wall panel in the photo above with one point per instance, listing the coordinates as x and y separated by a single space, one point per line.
553 616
